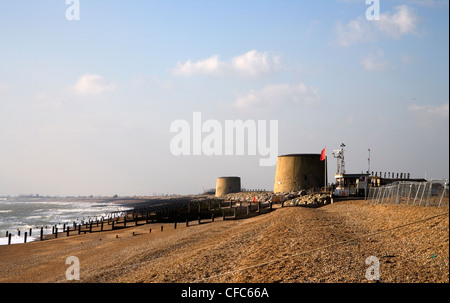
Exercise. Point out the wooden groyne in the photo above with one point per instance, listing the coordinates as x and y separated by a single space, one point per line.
178 211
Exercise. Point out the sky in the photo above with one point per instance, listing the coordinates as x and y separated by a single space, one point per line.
90 90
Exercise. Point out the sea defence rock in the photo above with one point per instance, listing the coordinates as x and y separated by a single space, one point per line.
293 198
311 200
249 197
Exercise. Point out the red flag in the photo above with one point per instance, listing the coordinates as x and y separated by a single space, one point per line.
322 155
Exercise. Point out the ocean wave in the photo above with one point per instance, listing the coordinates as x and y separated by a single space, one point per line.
15 239
25 215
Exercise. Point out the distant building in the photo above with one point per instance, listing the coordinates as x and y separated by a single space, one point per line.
359 184
351 184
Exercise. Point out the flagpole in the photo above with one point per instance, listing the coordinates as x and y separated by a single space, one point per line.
323 157
325 169
326 163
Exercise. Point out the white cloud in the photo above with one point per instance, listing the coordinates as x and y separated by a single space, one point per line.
403 21
430 110
209 66
312 26
252 63
255 63
278 94
357 30
93 84
375 61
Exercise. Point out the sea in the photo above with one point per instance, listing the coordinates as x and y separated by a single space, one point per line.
18 217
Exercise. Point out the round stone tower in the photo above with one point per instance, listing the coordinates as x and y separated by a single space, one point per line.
299 171
227 185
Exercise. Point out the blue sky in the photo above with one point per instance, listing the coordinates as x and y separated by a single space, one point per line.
86 105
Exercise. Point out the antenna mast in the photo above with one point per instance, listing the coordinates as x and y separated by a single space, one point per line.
339 155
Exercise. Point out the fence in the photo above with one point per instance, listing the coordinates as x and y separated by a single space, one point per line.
431 193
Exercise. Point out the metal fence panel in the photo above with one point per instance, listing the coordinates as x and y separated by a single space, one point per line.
430 193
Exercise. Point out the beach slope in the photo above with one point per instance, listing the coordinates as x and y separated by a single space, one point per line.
289 244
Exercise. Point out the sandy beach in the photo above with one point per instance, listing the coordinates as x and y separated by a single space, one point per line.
289 244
